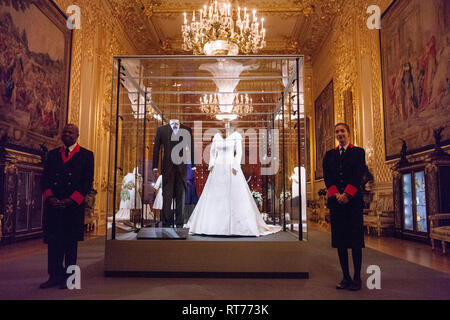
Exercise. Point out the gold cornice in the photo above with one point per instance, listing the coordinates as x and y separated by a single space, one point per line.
176 11
117 22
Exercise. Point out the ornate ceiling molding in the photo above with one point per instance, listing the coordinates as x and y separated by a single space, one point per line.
152 26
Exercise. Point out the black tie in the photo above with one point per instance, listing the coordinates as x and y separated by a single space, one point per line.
342 151
67 152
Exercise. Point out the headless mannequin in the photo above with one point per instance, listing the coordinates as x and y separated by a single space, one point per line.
228 129
173 177
171 122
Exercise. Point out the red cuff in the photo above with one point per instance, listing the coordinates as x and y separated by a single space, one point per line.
351 190
77 197
47 193
332 191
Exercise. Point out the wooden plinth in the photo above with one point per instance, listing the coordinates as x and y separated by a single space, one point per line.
249 259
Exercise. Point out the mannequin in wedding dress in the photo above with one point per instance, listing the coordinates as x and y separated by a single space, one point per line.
130 195
226 206
296 183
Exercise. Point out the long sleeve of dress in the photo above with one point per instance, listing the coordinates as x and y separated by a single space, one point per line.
212 154
158 182
236 165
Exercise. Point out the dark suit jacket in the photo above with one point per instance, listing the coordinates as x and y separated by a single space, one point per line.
163 139
67 178
344 175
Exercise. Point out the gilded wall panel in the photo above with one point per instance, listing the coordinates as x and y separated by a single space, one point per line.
348 42
100 38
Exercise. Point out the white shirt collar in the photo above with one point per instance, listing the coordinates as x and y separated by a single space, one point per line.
175 121
345 147
72 146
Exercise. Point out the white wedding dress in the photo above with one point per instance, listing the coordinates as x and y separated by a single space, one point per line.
130 195
158 203
226 206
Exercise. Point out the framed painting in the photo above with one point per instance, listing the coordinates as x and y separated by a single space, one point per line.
35 50
415 55
324 121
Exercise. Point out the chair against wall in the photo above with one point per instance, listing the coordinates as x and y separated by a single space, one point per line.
313 210
90 216
440 230
380 215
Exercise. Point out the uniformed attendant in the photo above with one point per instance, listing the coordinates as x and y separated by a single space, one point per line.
343 169
67 178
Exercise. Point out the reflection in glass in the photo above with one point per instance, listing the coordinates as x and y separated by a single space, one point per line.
21 209
36 202
420 201
175 89
407 202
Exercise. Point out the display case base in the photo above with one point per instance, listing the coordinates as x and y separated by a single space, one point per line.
205 259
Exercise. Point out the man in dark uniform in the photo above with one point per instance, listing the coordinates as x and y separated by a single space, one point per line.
343 169
67 178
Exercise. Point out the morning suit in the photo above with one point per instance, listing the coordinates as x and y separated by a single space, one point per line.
174 174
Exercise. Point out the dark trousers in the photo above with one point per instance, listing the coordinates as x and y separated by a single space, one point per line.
357 261
59 251
188 209
173 187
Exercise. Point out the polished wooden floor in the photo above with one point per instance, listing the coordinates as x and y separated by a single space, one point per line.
412 251
415 252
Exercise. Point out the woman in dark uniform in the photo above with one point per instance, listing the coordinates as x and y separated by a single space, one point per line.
343 169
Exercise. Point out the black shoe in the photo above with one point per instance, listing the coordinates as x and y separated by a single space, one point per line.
344 284
355 285
51 282
63 282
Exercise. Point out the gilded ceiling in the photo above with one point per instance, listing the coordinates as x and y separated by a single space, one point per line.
293 26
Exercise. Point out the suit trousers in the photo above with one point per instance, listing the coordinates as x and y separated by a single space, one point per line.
173 187
61 250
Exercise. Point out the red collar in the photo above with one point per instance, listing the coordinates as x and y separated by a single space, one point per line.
350 146
63 155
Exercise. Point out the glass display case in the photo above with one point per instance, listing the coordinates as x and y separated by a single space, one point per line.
414 202
257 100
420 191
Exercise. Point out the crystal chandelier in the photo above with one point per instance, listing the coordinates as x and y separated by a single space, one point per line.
217 32
243 104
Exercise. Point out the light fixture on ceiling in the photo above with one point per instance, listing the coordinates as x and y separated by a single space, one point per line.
210 104
214 31
226 116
